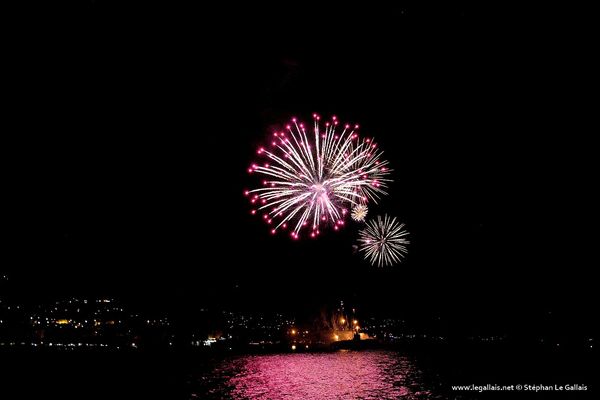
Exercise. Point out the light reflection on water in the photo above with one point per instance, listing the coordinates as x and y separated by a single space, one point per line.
340 375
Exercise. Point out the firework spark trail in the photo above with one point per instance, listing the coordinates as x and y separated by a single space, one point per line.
383 241
313 177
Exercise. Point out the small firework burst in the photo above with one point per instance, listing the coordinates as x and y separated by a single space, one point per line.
313 175
359 212
383 241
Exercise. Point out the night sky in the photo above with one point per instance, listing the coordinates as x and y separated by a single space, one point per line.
133 128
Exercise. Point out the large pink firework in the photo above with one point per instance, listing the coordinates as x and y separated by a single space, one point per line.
311 176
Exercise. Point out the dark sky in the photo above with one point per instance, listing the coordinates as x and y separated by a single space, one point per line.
134 124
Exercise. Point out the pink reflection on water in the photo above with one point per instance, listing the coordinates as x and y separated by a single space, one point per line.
341 375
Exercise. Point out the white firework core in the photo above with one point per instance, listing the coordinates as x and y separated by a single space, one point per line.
359 212
313 176
383 241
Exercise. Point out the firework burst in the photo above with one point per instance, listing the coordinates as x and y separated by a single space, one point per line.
359 212
383 241
312 175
